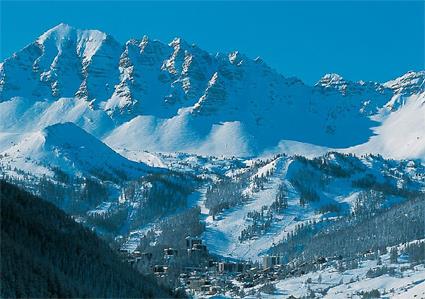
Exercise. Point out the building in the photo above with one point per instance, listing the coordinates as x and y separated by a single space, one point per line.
160 269
191 241
170 254
272 260
200 247
195 283
197 253
136 253
195 248
232 267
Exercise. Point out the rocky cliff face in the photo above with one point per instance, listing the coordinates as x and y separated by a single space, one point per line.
177 97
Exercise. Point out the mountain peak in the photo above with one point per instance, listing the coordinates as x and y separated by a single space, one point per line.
178 42
411 82
67 133
71 147
236 57
332 80
61 127
62 31
62 26
58 32
145 39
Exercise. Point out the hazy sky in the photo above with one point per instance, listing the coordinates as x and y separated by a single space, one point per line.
359 40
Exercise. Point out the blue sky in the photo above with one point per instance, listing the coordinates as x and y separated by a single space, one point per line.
359 40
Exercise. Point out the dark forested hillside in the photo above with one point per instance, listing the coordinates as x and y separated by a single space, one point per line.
44 253
366 230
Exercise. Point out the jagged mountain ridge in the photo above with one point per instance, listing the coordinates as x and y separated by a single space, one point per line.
147 95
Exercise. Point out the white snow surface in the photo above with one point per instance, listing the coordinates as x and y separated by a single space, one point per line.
222 233
350 283
151 96
68 148
402 132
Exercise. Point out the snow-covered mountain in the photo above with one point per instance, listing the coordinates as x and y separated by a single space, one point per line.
70 149
147 95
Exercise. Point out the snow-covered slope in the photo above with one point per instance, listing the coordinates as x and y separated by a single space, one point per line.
70 149
406 281
322 188
148 95
401 134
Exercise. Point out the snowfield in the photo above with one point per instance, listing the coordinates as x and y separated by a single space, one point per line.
221 235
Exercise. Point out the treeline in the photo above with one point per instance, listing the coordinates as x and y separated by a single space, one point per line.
45 253
388 187
74 194
157 195
145 200
367 230
310 177
261 221
225 194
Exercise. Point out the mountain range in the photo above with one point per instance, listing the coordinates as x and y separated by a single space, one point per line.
148 95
